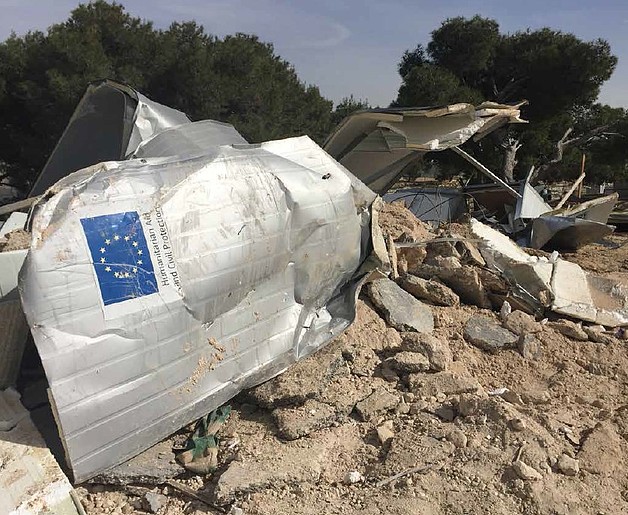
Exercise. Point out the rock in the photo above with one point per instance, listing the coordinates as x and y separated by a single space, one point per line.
236 511
505 311
521 323
294 423
467 284
470 253
568 465
530 347
369 330
154 502
485 334
517 424
379 402
525 472
445 262
303 380
447 383
440 249
400 309
362 361
410 259
535 397
407 362
352 477
409 449
468 404
569 329
403 408
437 351
343 393
601 450
392 253
431 291
511 397
152 467
457 437
596 333
445 412
385 432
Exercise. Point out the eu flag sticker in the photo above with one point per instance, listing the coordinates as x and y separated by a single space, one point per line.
120 256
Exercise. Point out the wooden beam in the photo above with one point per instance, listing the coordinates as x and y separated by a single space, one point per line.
20 204
571 190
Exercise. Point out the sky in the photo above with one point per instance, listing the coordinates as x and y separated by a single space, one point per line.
352 47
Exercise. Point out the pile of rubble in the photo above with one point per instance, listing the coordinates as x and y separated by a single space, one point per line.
452 392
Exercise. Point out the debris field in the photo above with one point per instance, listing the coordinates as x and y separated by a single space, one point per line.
439 399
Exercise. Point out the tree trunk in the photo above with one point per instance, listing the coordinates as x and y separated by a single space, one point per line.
510 158
563 143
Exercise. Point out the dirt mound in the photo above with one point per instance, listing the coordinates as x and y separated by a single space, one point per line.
15 240
488 414
399 222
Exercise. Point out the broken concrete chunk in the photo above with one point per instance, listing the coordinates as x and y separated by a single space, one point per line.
457 437
520 323
530 347
589 297
431 291
154 501
568 465
529 276
401 310
407 362
569 329
446 383
436 350
525 472
379 402
410 259
597 334
440 249
467 284
31 481
470 252
486 334
293 423
385 432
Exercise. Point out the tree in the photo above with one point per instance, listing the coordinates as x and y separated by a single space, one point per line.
238 79
347 106
469 60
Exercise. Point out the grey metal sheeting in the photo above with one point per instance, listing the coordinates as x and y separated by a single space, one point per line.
255 252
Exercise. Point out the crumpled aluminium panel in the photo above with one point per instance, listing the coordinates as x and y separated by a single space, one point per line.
224 269
378 144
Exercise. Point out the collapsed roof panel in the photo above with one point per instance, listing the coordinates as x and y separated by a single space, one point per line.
377 144
109 123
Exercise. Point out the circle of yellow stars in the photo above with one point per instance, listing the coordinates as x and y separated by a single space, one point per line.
103 260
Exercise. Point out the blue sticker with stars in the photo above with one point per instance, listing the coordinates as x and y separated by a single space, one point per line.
120 256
